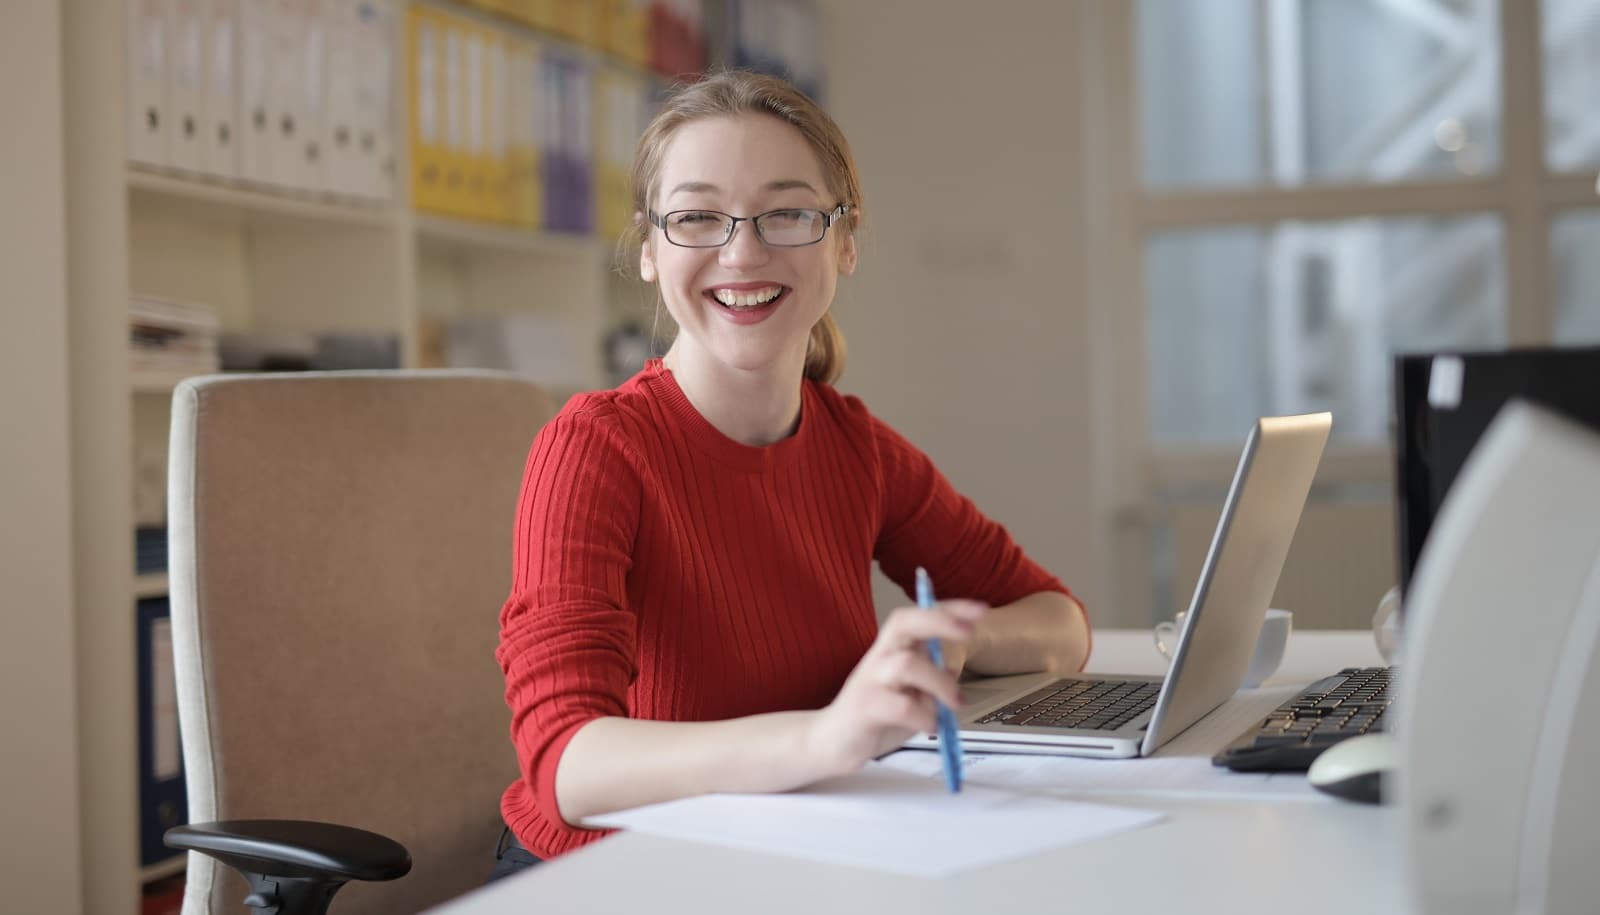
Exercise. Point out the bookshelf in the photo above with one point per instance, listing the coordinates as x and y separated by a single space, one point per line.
265 260
204 199
272 261
149 584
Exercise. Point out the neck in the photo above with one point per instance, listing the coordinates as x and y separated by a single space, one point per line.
751 406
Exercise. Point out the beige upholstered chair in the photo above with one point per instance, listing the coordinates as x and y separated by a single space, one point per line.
340 549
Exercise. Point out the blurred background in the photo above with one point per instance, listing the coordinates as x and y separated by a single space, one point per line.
1102 236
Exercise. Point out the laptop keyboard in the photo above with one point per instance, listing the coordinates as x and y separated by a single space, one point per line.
1351 702
1100 705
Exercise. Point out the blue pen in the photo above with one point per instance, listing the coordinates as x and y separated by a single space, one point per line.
949 739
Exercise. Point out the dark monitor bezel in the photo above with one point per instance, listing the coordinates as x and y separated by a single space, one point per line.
1433 441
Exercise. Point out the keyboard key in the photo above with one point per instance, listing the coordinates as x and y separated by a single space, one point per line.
1276 740
1335 708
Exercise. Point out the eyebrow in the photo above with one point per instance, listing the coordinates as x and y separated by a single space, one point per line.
702 187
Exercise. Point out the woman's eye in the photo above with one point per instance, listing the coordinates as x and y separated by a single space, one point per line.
688 218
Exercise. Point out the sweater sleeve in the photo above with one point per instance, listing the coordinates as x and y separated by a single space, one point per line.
567 634
926 522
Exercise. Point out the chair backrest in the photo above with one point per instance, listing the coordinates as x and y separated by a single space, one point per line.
340 548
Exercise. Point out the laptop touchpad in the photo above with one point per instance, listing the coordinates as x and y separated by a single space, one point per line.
975 695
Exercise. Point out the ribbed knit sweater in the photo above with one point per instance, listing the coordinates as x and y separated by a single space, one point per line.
664 571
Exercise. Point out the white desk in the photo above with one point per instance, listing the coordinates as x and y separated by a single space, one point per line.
1221 856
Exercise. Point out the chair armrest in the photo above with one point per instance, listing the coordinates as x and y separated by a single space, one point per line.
295 849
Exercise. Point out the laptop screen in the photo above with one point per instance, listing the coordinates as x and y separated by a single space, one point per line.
1444 402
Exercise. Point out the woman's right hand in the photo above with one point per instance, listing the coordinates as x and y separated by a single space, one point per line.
891 693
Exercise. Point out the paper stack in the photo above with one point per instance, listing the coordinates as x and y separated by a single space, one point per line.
168 337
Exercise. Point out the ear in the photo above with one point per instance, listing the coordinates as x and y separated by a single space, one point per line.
647 262
847 255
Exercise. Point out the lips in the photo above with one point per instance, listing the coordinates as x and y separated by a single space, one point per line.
745 296
747 306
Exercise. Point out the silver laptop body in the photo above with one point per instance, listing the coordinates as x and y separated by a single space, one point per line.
1230 601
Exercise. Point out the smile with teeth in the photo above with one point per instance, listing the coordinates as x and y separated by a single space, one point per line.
754 298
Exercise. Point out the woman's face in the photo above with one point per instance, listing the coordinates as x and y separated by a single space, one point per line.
746 304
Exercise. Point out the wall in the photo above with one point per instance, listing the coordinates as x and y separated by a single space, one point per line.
39 861
967 321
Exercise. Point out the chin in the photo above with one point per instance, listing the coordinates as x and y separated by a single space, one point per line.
749 355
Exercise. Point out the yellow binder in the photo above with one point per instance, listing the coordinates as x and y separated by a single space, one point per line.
497 105
525 188
425 78
626 29
620 107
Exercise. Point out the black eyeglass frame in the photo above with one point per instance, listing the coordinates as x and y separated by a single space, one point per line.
829 217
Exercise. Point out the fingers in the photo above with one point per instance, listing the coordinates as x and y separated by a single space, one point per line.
913 672
914 713
950 619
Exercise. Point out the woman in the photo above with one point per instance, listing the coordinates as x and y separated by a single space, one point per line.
691 608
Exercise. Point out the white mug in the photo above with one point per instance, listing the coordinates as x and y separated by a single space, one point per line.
1264 660
1386 625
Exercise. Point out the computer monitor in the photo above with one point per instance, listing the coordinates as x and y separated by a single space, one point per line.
1444 402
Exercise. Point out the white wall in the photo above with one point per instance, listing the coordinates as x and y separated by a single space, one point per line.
967 322
39 857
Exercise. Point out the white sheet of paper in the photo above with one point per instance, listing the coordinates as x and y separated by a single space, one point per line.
887 820
1182 767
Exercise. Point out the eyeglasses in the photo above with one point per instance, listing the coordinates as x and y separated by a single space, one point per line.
787 228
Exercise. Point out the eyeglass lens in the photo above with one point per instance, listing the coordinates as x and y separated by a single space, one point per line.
708 228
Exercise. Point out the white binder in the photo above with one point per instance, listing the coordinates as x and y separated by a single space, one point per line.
147 82
374 118
341 161
186 84
257 118
310 171
285 69
220 105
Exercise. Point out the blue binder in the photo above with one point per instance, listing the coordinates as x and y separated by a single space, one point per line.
163 798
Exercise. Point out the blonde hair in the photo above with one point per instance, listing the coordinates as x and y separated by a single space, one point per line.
736 92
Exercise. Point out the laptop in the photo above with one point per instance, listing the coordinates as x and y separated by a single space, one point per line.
1123 716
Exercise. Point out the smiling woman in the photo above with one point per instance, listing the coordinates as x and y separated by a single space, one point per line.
691 607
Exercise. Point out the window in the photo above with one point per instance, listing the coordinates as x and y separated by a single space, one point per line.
1245 321
1238 92
1300 189
1249 109
1574 242
1570 43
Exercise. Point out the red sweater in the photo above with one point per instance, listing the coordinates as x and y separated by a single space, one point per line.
666 572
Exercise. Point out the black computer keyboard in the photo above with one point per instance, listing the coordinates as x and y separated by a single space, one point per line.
1102 705
1351 702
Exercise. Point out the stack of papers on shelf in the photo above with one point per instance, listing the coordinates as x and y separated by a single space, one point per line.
171 338
886 820
306 351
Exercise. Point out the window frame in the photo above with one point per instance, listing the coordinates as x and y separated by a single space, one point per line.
1123 213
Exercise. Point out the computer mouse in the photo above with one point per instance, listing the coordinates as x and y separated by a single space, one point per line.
1355 769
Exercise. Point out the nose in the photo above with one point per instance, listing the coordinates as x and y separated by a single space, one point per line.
745 248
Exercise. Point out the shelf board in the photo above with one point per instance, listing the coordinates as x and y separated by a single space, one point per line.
176 864
211 198
466 236
150 584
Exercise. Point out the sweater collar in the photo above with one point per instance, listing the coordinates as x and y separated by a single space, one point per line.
708 438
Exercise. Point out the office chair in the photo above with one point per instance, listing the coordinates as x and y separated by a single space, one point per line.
340 548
